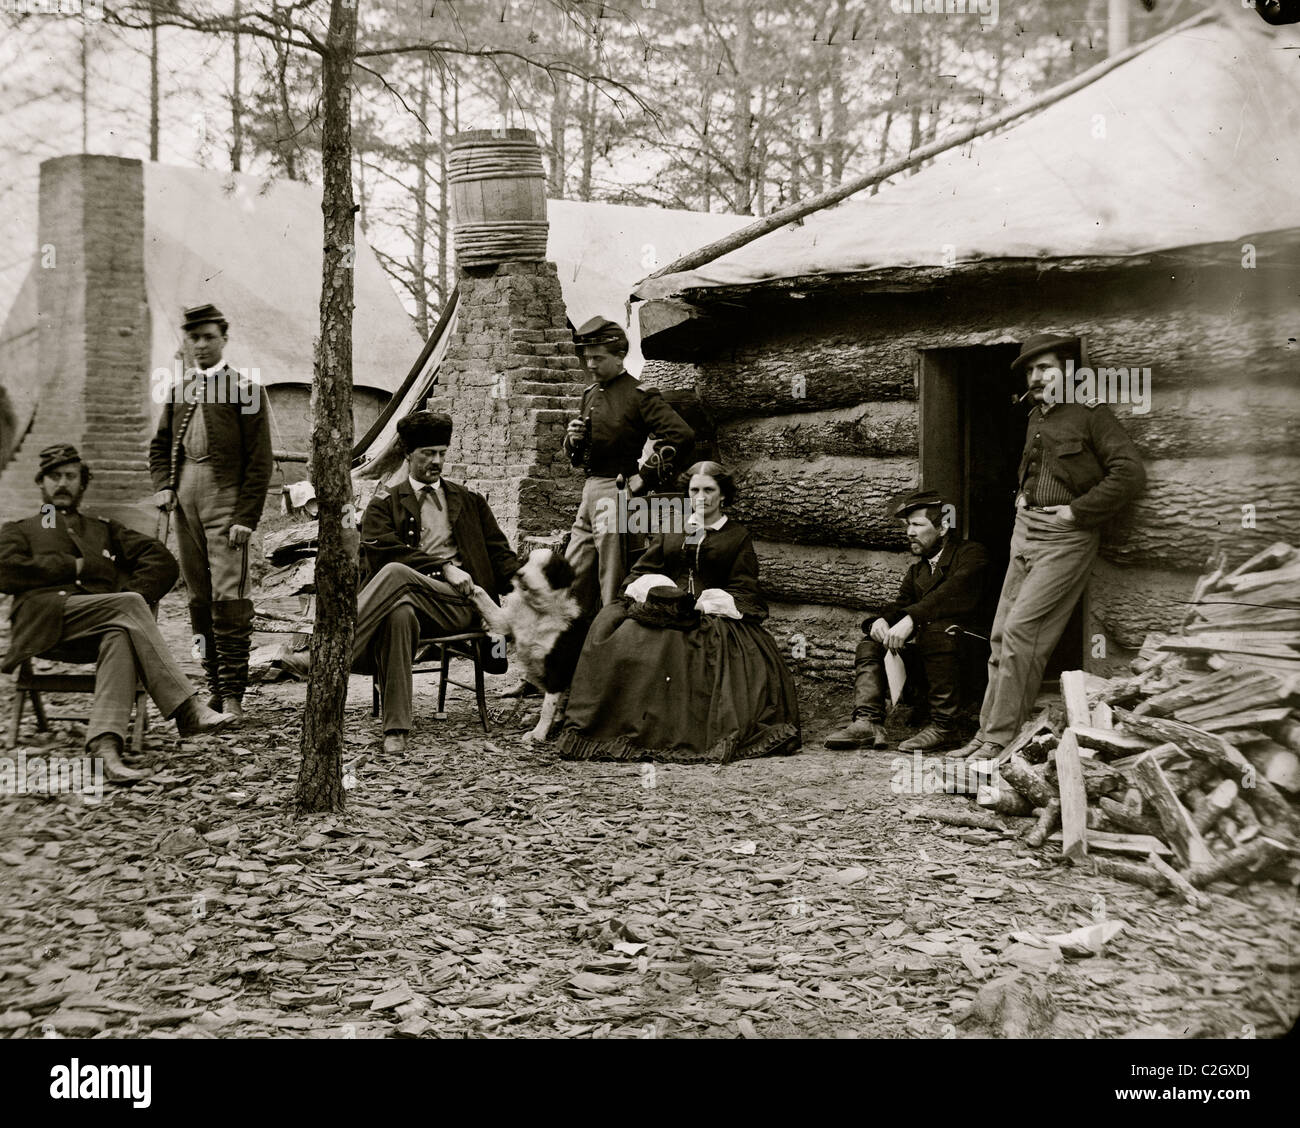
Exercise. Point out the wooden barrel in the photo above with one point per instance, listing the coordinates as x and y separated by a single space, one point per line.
498 197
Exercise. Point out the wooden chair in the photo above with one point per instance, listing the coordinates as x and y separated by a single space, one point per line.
445 648
28 683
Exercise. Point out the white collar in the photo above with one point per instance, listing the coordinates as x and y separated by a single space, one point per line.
693 522
417 485
213 370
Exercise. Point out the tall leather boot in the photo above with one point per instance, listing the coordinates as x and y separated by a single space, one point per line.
201 623
232 622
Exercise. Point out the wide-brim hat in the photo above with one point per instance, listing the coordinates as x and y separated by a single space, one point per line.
52 457
1044 342
424 429
201 315
666 607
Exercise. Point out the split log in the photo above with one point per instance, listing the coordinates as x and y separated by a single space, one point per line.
1280 665
1202 644
1125 819
1238 863
1110 741
1200 690
1028 782
1251 719
1129 871
1268 802
1188 779
962 818
1243 814
1180 831
1074 692
1288 734
1223 616
1150 656
1177 881
1102 717
1280 766
1111 842
1001 797
1260 580
1215 806
1048 820
1029 731
1267 559
1074 799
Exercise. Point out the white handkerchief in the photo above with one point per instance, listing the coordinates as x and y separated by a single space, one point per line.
640 587
715 601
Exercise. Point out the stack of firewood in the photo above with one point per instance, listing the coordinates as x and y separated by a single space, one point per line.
1190 765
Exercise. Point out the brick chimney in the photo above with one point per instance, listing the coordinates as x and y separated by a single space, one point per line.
92 354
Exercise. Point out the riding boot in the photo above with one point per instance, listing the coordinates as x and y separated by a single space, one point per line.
232 622
204 645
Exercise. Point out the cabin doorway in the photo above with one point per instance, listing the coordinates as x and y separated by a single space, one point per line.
972 434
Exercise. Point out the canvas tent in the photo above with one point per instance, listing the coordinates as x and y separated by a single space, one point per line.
1178 148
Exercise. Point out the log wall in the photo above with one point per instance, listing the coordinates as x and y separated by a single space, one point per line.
817 407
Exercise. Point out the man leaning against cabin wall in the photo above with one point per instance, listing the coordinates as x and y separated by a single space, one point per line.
1078 470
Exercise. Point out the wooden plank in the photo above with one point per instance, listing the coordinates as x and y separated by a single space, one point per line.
1111 741
1215 806
1272 691
1180 831
1257 581
1074 798
1252 719
1102 716
1178 881
1131 821
1030 729
1202 645
1110 842
1074 692
1200 690
1272 557
1258 662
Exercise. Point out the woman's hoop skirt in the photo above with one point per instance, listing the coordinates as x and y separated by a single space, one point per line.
714 693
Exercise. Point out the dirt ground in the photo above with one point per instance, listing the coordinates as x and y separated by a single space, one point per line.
481 887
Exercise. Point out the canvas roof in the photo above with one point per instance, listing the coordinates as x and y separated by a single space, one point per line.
1195 141
253 248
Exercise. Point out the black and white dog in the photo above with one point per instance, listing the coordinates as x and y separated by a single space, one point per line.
547 625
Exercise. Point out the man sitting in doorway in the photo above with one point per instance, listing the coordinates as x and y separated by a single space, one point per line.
942 590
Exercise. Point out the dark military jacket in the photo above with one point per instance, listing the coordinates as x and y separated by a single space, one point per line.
623 414
38 566
239 442
1086 449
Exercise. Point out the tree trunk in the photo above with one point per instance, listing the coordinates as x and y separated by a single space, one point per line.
443 204
236 110
588 140
320 783
286 145
559 131
153 92
839 111
742 125
85 84
421 239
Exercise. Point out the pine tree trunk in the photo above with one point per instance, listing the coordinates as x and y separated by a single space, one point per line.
153 92
320 782
443 204
421 239
236 110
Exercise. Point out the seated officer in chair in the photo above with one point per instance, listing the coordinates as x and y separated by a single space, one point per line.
425 543
942 590
76 577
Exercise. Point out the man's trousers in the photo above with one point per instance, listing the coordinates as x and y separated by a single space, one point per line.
931 657
130 646
1051 560
217 579
394 610
595 545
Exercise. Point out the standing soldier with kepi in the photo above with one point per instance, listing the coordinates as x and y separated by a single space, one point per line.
211 462
618 415
1078 470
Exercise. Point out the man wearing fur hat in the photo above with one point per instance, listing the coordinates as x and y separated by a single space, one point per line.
75 577
211 462
618 414
1078 470
426 543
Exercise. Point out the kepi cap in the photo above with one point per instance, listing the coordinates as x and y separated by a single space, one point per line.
902 505
60 454
201 315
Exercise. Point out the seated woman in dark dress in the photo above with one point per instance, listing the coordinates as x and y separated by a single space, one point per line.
680 668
